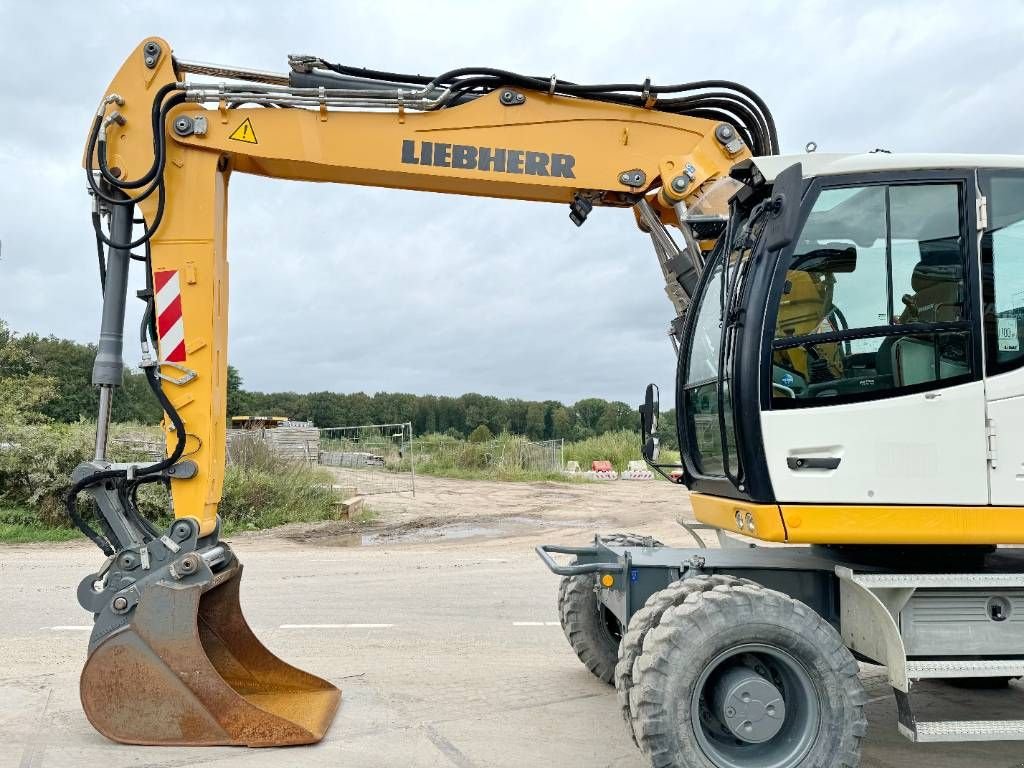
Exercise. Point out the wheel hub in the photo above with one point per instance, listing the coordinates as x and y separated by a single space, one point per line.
749 705
755 706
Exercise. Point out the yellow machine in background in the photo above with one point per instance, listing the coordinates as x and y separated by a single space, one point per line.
258 422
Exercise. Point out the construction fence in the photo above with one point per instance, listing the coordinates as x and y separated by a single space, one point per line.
375 458
383 458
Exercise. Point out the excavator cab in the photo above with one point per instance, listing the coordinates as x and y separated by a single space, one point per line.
813 373
849 380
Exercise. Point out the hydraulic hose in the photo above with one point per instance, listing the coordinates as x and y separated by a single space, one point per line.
737 102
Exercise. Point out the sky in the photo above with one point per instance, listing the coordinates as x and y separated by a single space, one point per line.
363 289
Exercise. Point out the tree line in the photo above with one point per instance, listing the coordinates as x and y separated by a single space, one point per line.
456 416
66 366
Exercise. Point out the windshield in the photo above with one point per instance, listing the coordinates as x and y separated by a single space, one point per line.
701 388
875 296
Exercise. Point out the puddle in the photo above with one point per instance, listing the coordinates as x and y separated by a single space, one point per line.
454 531
442 532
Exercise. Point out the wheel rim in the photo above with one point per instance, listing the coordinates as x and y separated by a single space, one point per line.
755 706
611 624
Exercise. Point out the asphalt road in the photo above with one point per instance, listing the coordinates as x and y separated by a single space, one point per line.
448 653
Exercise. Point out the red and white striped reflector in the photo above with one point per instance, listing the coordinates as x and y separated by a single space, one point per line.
170 324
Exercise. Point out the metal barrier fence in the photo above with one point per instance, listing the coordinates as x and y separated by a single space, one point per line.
374 458
544 455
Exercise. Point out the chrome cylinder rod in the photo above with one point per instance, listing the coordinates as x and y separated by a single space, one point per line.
108 369
103 422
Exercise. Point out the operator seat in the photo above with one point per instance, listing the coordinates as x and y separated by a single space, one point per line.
938 284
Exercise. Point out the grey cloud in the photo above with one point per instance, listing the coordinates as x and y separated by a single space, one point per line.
382 289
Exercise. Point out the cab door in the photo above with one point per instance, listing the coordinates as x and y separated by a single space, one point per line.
1002 260
874 360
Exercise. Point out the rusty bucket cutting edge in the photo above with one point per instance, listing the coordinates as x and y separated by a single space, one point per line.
188 671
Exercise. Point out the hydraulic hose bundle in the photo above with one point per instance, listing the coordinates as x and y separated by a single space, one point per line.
710 99
112 191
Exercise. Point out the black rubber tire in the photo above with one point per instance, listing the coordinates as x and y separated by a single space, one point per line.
644 620
592 631
693 634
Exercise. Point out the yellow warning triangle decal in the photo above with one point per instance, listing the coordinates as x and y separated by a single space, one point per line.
245 133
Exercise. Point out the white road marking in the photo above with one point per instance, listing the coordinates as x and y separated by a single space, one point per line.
336 626
471 561
69 628
536 624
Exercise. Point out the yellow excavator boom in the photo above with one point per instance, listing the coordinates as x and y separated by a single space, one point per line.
171 659
546 148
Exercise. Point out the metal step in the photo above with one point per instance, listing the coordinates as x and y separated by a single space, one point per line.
966 730
932 669
938 580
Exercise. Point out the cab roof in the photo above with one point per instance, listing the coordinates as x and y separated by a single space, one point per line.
825 164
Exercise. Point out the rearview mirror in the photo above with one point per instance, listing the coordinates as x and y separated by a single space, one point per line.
785 214
650 450
649 423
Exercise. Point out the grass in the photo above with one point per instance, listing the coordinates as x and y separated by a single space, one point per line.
365 516
19 533
469 473
619 448
19 525
261 490
506 457
513 458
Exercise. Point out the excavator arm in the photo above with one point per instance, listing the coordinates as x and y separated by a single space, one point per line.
165 140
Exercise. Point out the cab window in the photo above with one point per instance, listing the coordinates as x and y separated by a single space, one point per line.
874 299
1002 258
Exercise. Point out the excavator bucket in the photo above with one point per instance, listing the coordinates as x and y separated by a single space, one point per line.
186 670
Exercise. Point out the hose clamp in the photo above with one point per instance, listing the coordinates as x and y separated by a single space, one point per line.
649 99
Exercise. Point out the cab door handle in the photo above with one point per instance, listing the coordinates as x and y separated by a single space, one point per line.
812 462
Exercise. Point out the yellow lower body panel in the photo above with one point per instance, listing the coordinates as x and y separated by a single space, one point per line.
760 521
862 524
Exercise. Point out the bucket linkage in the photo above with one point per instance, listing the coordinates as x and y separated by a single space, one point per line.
172 660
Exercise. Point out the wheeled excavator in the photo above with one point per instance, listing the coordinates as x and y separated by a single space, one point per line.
815 408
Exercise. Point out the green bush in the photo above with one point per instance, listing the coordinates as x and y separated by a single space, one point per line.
617 447
36 462
513 457
481 434
506 457
262 490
